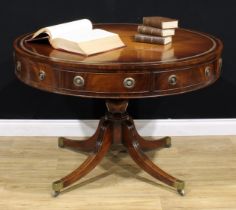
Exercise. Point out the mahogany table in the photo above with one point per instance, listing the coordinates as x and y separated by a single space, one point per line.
139 70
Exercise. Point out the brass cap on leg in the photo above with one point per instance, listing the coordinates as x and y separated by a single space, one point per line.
57 186
61 142
168 141
180 185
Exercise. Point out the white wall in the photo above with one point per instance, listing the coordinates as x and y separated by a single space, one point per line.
145 127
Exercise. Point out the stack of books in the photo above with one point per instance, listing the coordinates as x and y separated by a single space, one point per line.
156 30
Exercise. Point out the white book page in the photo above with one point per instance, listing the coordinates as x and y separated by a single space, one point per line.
75 27
61 30
77 36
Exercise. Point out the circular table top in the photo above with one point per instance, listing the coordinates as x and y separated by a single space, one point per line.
186 57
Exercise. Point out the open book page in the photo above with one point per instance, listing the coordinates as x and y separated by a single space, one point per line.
64 29
110 56
79 37
85 36
96 41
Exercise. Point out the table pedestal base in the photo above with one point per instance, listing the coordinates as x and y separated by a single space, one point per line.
117 127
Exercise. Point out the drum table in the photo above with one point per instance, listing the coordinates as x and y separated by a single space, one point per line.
139 70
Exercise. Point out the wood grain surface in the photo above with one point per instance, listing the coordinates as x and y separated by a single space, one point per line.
28 165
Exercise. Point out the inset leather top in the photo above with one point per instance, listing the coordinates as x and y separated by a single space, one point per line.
139 70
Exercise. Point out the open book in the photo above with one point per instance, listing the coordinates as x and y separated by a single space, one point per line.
79 37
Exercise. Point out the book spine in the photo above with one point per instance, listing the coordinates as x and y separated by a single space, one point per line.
149 39
152 22
150 30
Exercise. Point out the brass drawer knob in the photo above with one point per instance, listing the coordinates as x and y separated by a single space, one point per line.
78 81
172 80
42 75
129 82
208 71
18 66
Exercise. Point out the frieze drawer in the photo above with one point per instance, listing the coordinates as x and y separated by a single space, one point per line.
105 82
183 78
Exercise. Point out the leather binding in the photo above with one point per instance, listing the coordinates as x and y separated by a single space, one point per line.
158 22
151 39
153 31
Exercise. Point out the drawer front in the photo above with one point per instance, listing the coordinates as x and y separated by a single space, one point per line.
38 75
106 82
43 74
125 84
183 78
21 70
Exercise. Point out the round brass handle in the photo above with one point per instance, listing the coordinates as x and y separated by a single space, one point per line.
172 80
129 82
42 75
18 66
208 71
78 81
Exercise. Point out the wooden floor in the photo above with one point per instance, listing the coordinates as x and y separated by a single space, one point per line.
28 165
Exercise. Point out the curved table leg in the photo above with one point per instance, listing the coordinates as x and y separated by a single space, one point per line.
83 145
132 143
103 144
164 142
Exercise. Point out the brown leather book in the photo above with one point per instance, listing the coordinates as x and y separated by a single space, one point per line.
160 22
155 31
152 39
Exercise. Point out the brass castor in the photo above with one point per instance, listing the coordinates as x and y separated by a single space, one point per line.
179 185
55 193
61 142
56 188
168 142
181 192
